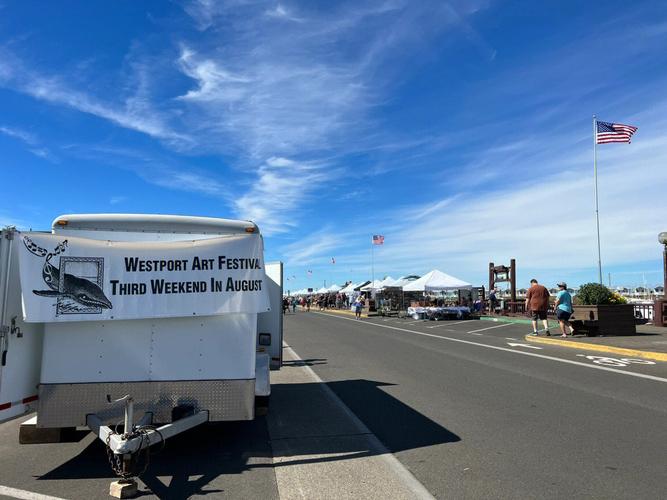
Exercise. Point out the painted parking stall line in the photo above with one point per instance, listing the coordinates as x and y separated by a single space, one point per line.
25 495
490 328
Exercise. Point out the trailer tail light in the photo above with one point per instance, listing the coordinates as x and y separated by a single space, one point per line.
264 339
61 222
250 229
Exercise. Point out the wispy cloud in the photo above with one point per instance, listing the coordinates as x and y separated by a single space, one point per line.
132 113
115 200
17 133
314 247
545 218
276 195
31 141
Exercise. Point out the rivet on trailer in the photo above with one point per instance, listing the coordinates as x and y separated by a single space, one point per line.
117 339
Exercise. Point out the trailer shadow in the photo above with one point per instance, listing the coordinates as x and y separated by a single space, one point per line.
305 426
190 463
312 427
304 362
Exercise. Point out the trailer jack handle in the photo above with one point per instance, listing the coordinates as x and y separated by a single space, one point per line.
129 412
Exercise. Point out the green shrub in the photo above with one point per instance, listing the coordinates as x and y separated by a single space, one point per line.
592 294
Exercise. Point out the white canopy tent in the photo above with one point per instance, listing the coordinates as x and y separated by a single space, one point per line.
436 281
322 290
349 288
388 281
403 280
334 288
374 285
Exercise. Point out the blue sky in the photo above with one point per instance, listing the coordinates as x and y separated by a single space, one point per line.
460 130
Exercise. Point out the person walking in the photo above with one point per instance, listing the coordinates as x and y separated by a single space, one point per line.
293 305
493 302
537 302
564 309
358 306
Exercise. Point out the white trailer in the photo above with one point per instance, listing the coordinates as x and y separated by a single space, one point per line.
174 319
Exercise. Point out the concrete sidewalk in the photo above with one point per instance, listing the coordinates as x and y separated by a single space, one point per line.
649 343
321 449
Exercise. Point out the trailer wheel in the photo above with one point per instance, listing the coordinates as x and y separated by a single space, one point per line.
261 405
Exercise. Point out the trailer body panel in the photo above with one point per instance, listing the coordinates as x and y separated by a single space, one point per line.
20 342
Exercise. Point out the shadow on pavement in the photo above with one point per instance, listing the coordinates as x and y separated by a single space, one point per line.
188 463
305 362
398 426
307 422
307 426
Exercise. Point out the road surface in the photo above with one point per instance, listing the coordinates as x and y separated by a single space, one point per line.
474 411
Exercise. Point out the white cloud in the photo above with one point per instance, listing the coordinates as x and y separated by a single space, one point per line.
134 113
275 197
544 217
19 134
29 140
115 200
313 248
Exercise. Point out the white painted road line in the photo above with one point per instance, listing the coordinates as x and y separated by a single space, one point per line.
25 495
507 349
490 328
399 470
447 323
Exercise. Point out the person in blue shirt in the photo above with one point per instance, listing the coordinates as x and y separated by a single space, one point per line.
564 309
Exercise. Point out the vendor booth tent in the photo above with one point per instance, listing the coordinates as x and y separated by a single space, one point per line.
349 288
334 288
361 285
375 285
388 281
436 281
404 280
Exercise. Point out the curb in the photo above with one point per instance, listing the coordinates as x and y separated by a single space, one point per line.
344 312
635 353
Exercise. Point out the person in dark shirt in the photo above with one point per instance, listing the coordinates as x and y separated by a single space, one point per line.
537 302
493 301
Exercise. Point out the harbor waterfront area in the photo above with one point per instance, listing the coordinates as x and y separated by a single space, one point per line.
348 250
398 408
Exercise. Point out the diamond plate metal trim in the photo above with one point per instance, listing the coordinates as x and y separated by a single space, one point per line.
66 405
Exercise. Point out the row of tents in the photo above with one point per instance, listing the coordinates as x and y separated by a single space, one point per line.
433 281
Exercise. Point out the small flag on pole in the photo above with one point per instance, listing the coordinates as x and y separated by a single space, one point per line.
613 132
333 260
310 273
378 239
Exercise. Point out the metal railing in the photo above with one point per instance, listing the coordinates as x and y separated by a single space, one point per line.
643 311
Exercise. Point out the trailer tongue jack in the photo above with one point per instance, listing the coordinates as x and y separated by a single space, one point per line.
124 449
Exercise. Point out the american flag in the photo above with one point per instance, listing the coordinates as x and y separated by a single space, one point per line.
614 132
378 239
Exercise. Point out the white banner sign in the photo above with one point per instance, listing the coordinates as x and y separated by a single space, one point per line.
80 279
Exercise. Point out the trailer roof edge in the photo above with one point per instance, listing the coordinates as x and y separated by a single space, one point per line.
153 223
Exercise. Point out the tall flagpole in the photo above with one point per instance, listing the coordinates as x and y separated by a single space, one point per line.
372 264
597 211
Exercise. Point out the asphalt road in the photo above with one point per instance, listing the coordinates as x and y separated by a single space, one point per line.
218 460
473 416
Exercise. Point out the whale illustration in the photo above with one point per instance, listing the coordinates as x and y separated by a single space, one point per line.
80 290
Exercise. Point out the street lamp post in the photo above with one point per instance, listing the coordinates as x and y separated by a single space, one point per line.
660 307
662 238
